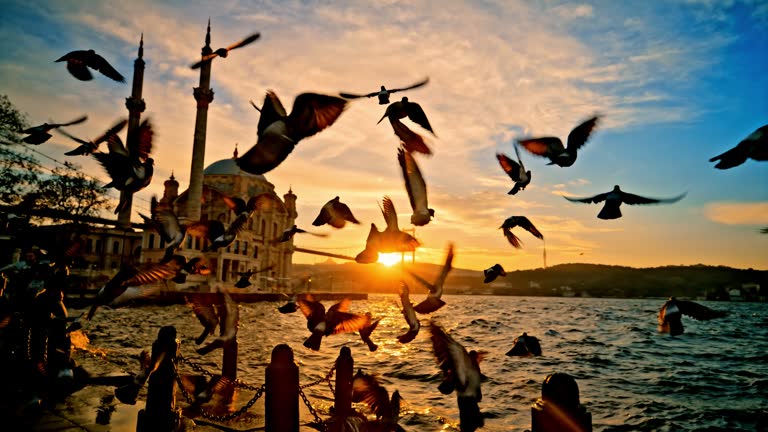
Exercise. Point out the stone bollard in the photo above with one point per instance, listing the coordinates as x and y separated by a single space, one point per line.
160 413
282 399
345 364
559 409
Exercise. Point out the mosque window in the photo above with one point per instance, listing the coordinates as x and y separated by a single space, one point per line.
255 251
245 248
237 246
151 243
189 243
197 243
263 230
274 229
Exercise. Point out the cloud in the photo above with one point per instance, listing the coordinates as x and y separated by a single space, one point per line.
737 213
574 11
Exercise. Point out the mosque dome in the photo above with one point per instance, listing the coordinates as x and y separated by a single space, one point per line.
229 167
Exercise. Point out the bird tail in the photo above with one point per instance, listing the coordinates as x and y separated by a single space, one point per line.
407 337
514 190
609 212
313 342
92 311
200 339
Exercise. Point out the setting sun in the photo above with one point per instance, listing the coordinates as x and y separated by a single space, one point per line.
390 259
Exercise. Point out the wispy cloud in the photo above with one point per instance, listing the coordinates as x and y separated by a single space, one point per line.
737 213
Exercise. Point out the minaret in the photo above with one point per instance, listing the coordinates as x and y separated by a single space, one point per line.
136 106
204 96
171 190
290 203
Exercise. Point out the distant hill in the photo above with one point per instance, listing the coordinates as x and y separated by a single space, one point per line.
565 279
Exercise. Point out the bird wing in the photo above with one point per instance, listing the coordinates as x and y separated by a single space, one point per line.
527 225
418 84
355 96
98 62
698 311
79 70
421 280
341 306
164 214
451 357
509 166
244 42
74 138
344 322
140 144
115 145
73 122
390 215
632 199
366 389
580 134
235 204
417 115
412 141
414 181
544 146
204 311
323 217
590 200
269 151
118 166
311 113
343 211
271 110
153 273
310 307
447 266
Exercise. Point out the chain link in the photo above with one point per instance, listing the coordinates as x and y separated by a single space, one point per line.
312 411
225 417
327 378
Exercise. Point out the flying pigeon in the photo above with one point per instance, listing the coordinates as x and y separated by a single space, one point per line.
616 197
515 170
416 188
336 320
491 273
553 149
78 63
223 52
523 223
673 310
290 232
229 321
365 333
403 108
755 147
409 314
384 93
39 134
433 301
389 240
245 277
367 389
336 214
205 311
88 147
214 230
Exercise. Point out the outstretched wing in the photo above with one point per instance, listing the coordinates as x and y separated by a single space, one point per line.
590 200
527 225
417 115
580 134
633 199
414 181
698 311
366 389
244 42
271 110
390 215
311 113
100 64
418 84
73 122
509 166
544 146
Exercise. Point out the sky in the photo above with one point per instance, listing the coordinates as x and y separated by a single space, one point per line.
676 83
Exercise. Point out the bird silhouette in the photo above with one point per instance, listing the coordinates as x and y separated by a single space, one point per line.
403 108
754 147
336 214
522 222
39 134
524 346
214 230
383 93
553 149
224 52
367 389
409 314
673 310
245 277
365 333
167 224
88 147
433 301
130 167
491 273
616 197
229 321
279 133
336 320
78 63
205 311
515 170
290 232
461 372
194 266
416 188
389 240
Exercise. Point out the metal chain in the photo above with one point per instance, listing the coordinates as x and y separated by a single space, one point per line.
194 366
225 417
326 378
312 411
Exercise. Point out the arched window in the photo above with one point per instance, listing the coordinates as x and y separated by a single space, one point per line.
274 229
151 241
245 248
263 230
237 246
189 242
255 251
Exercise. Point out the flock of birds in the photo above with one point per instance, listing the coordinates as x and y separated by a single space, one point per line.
130 168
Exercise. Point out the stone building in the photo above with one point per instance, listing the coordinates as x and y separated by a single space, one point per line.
254 249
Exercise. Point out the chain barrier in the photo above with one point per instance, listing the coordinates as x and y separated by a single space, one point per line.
225 417
312 410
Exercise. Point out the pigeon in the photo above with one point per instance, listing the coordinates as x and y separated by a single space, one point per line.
384 93
525 346
412 141
336 214
214 230
279 133
522 222
515 170
416 188
78 63
289 307
409 314
245 277
194 266
552 148
336 320
88 147
224 52
130 167
290 232
491 273
672 311
433 301
389 240
205 313
461 372
616 197
39 134
229 321
365 333
367 389
755 147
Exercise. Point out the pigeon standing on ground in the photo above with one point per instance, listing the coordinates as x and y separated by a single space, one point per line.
491 273
78 63
523 223
416 188
389 240
278 133
433 301
384 93
616 197
461 372
403 108
515 170
229 321
336 214
88 147
409 314
553 149
754 147
223 52
673 310
39 134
